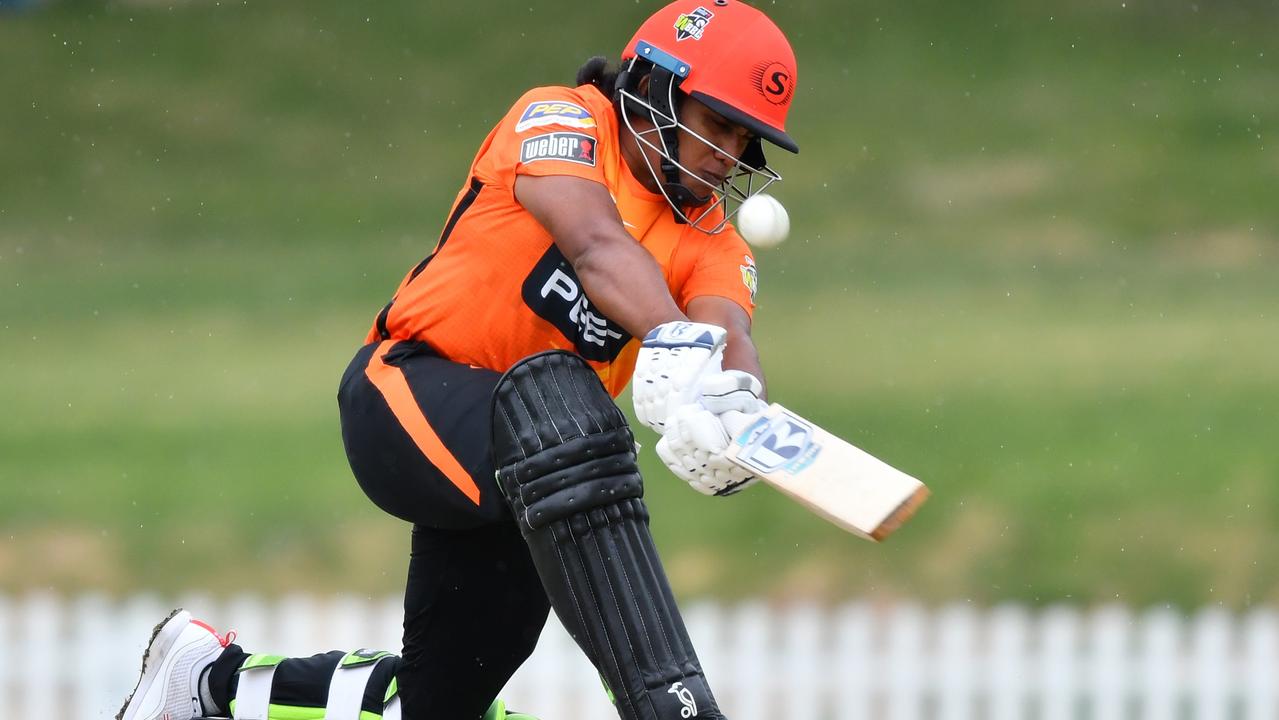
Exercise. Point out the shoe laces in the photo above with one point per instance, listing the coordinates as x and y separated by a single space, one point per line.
223 640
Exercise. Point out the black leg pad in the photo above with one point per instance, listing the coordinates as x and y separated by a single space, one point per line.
566 463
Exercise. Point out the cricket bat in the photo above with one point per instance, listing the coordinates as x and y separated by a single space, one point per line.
834 479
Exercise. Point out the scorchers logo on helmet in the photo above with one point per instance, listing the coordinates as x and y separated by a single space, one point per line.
775 81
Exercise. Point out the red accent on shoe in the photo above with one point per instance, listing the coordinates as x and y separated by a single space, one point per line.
223 640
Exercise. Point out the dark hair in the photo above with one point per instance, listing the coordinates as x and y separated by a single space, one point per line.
597 72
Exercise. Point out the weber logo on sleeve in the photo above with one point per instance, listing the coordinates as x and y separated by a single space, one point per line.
570 146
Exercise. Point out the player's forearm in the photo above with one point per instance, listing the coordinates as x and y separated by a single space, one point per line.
739 351
622 281
740 354
625 284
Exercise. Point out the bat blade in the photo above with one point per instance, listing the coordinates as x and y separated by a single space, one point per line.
842 483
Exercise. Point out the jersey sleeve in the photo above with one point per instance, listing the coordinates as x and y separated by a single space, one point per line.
549 131
720 265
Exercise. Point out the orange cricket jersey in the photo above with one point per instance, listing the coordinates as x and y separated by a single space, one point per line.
496 289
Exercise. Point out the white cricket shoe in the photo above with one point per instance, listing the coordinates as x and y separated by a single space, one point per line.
169 689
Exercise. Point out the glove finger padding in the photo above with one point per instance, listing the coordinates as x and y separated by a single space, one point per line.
674 463
736 423
693 448
731 391
672 360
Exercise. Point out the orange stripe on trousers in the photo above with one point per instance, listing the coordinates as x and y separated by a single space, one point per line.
390 381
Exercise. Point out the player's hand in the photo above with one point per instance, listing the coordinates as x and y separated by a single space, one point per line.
672 362
693 446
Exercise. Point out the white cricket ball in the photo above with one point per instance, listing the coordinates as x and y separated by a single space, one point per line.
762 221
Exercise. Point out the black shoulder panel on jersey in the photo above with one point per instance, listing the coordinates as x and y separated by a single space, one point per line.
462 206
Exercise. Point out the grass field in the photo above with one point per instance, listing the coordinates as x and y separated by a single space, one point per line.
1033 262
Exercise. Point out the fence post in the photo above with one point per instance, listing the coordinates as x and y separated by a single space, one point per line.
388 630
802 662
299 633
39 672
1007 663
1108 662
247 615
1260 665
1160 641
953 669
7 676
750 663
348 626
1058 656
849 685
1210 665
903 667
89 659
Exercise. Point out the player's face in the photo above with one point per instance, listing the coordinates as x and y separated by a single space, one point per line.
712 163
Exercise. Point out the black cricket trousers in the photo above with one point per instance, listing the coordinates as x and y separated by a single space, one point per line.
417 432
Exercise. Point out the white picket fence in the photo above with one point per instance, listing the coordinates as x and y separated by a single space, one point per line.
76 658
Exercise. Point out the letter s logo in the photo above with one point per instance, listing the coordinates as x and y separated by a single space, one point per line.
776 87
775 81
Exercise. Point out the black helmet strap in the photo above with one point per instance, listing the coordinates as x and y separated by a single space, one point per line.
661 85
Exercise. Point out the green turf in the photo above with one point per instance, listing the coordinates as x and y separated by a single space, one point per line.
1032 263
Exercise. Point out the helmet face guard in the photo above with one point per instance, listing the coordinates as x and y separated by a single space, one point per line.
692 205
732 59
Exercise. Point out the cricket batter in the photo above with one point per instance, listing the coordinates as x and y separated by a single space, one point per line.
590 242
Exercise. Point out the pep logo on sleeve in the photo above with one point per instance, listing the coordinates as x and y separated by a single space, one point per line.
570 146
554 112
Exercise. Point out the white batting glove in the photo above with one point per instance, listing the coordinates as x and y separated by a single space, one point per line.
693 448
731 391
672 361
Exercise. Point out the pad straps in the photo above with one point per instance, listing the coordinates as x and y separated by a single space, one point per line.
347 685
253 694
350 677
661 94
391 709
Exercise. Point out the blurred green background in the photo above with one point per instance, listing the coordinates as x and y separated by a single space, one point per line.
1032 262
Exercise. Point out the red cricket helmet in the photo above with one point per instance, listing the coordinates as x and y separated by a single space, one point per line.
729 56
